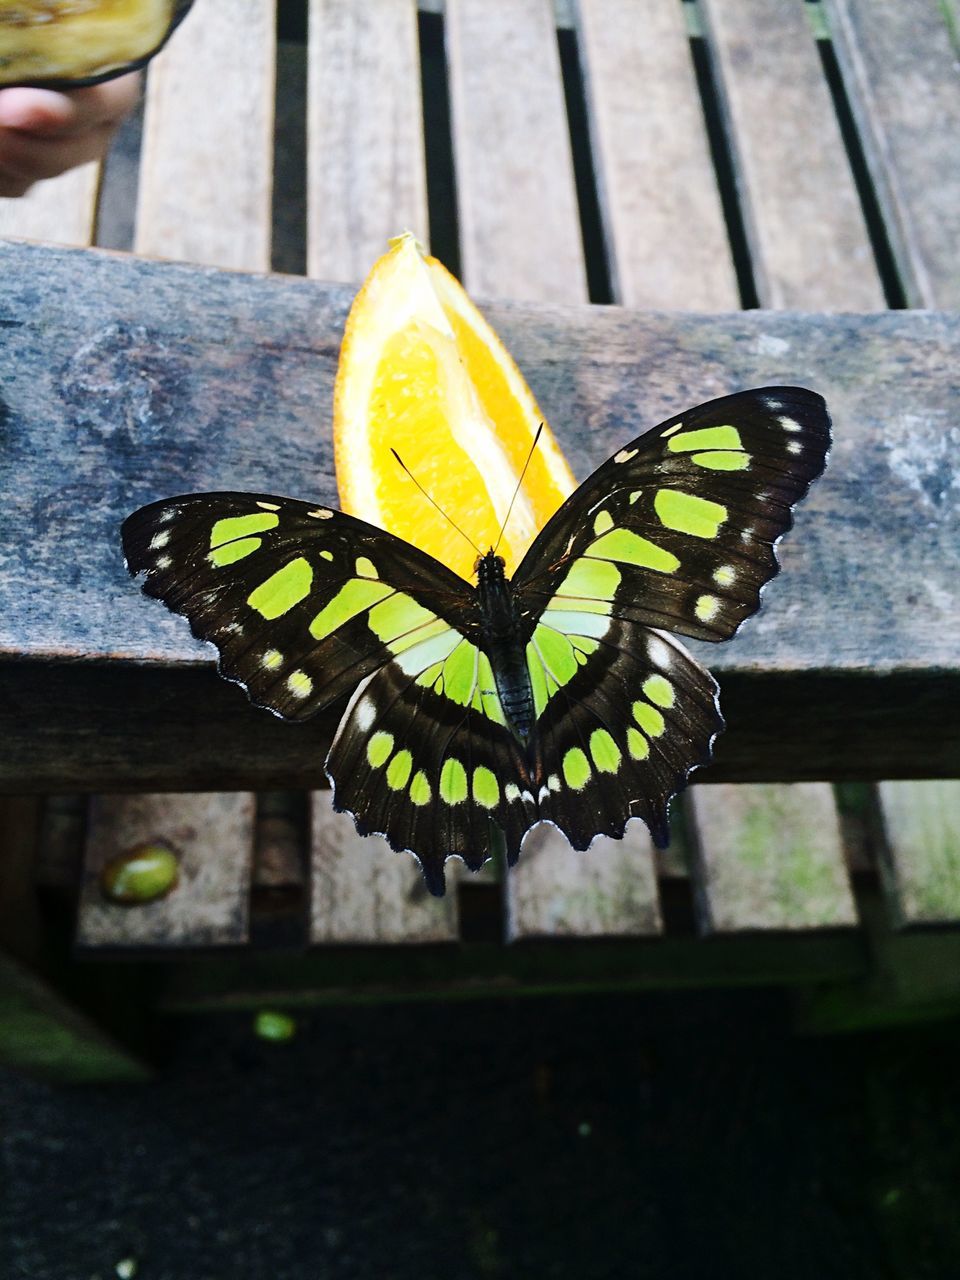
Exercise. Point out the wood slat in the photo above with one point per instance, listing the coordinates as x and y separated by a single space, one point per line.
921 850
204 194
195 358
666 237
213 838
499 132
609 891
61 211
207 160
364 892
510 140
367 179
770 857
900 69
808 239
367 182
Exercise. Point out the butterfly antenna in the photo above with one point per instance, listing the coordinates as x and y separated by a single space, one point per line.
435 504
517 489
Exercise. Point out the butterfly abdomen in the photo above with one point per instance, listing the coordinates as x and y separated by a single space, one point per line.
502 641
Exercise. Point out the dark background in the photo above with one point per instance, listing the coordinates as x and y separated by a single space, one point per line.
667 1135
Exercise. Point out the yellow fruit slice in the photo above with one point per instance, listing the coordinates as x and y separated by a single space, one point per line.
423 373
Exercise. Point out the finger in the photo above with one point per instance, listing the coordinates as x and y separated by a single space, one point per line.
29 158
50 114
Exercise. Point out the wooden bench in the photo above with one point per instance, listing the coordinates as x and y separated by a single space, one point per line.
710 169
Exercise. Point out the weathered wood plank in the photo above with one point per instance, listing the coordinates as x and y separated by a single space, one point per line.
808 240
364 892
769 857
666 238
921 850
609 891
509 136
62 210
220 161
367 182
212 836
554 889
900 69
365 159
125 380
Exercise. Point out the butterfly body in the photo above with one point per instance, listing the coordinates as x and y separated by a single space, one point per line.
557 694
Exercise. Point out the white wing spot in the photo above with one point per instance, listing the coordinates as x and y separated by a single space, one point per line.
794 446
625 455
269 506
773 404
660 654
299 684
707 608
164 562
544 793
526 797
159 540
321 513
272 659
725 575
671 431
788 424
166 516
553 782
365 713
512 792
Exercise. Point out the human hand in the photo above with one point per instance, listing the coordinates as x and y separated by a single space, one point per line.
44 133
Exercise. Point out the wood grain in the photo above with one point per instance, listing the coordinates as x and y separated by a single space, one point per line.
808 240
207 160
510 140
125 380
364 892
60 211
921 850
213 838
769 857
666 239
900 69
365 157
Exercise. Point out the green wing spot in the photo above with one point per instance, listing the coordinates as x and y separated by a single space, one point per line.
420 789
460 673
366 568
725 575
706 438
453 782
649 719
379 748
394 619
687 513
538 679
630 548
604 751
429 644
556 653
576 768
239 526
398 770
637 745
326 555
430 676
486 789
706 608
231 552
282 590
584 646
659 690
593 579
299 684
352 598
272 659
603 522
722 461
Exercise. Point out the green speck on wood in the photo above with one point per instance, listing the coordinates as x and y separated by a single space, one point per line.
142 874
270 1024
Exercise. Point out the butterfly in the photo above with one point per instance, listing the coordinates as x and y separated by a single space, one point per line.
557 694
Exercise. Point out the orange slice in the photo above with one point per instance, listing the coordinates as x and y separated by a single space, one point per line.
423 373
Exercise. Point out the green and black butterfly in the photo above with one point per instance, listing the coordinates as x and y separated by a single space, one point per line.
553 695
